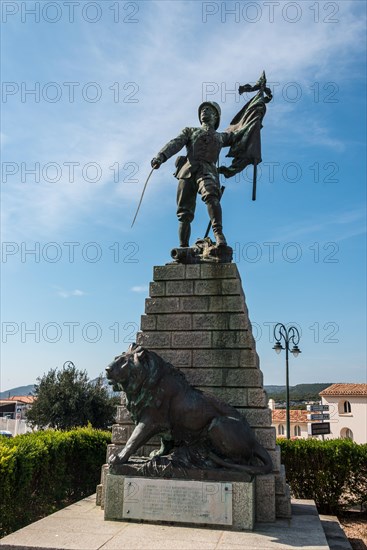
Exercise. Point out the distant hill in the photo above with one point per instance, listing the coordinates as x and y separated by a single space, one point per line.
20 390
300 392
26 390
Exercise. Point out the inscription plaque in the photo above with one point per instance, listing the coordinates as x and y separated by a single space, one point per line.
177 500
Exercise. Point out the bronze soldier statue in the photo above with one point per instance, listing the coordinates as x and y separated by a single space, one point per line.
198 172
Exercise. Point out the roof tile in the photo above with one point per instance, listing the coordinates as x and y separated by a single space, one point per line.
296 415
345 389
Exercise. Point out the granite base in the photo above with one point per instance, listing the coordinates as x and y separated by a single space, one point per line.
190 502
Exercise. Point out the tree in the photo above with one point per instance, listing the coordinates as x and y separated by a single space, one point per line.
67 398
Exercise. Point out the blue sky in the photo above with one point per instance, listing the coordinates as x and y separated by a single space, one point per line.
112 83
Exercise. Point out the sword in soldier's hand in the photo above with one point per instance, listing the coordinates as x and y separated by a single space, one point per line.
155 165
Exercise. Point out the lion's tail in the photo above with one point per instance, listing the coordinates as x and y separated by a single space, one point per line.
259 452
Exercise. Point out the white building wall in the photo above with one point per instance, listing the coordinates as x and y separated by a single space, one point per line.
340 421
302 425
16 427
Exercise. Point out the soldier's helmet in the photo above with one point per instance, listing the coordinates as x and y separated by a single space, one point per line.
215 106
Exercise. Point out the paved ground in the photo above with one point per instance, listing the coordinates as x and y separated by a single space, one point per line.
82 527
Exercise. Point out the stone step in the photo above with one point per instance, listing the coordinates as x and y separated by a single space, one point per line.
210 358
213 287
195 321
175 272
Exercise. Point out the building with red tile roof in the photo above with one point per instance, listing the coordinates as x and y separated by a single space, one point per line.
348 411
345 389
298 422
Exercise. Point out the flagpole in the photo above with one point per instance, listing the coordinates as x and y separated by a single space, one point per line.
254 182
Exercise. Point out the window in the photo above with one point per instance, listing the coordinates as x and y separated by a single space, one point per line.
297 431
346 433
349 434
344 407
280 429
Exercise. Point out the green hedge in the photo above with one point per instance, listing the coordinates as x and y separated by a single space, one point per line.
332 472
43 471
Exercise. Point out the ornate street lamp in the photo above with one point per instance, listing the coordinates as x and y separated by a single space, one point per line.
288 336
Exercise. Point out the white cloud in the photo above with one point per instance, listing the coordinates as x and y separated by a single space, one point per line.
3 139
142 288
341 224
68 293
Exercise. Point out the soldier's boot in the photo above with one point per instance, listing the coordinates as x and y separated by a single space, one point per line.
184 231
215 215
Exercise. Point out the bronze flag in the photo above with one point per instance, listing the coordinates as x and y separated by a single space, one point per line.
247 123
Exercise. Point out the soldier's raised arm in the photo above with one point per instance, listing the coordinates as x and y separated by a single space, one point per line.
171 148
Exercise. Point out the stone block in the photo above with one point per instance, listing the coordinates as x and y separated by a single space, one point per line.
208 287
169 272
191 339
232 286
280 482
113 493
219 271
275 456
113 450
243 505
222 377
249 358
104 472
203 377
210 321
198 304
177 357
157 289
239 321
99 495
225 303
154 339
251 378
265 498
123 415
257 418
179 288
229 358
237 397
148 322
232 339
174 321
192 272
283 505
266 437
120 434
257 397
162 305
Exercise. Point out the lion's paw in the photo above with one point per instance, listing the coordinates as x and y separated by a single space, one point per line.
118 459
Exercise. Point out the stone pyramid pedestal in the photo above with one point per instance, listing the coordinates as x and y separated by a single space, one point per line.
197 319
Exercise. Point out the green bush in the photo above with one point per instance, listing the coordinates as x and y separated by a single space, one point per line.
43 471
332 472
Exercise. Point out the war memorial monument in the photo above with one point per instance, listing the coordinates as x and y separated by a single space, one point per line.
193 441
193 461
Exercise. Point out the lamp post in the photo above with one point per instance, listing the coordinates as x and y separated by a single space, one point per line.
290 335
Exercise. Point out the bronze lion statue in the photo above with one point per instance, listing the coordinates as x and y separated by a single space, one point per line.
162 402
